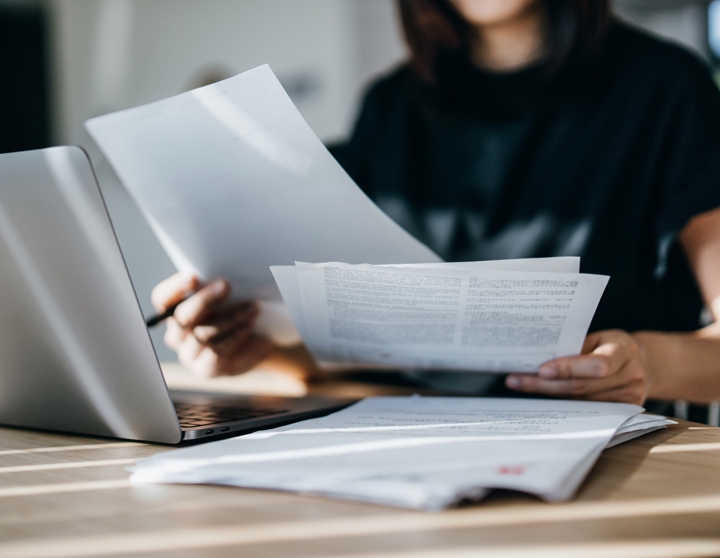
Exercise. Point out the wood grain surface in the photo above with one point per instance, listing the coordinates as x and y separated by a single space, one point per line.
69 496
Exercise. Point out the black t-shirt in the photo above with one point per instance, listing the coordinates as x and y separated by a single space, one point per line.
607 160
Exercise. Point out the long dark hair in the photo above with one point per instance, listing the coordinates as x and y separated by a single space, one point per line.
576 28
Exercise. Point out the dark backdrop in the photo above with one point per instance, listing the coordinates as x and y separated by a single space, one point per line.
24 83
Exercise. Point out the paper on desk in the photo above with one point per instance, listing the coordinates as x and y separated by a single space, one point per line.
415 452
638 426
475 316
233 180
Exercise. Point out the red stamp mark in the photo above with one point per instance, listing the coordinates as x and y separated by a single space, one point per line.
511 470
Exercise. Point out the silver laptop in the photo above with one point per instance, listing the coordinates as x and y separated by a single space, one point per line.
75 354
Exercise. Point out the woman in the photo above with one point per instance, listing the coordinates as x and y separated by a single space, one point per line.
528 128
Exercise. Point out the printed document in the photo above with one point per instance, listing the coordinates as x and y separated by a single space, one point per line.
479 316
416 452
233 180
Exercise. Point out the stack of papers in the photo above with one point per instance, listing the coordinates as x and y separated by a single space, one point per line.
233 180
425 453
493 316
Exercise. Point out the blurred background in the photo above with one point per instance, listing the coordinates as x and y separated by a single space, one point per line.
65 61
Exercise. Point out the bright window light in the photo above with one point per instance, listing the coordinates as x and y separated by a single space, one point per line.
714 27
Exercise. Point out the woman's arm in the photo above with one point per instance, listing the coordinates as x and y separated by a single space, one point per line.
683 366
687 366
618 366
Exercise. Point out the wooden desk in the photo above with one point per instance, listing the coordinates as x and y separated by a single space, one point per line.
67 496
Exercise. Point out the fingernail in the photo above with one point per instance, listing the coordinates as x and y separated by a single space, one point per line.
218 288
513 382
548 372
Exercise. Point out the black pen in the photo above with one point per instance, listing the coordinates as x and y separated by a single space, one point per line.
152 321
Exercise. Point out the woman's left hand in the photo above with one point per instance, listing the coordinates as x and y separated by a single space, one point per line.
612 367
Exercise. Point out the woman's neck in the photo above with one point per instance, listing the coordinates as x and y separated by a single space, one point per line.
510 45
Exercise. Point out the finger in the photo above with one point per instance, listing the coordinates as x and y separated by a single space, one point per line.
218 358
188 351
172 290
174 334
242 317
610 352
191 312
231 310
584 366
228 342
570 386
214 334
533 384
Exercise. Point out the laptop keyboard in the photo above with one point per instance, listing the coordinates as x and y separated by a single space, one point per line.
198 416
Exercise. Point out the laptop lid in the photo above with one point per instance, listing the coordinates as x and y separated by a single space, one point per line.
75 354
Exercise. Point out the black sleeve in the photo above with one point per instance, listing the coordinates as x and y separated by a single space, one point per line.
357 153
691 166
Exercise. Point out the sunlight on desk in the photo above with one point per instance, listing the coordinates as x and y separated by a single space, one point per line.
206 538
57 466
676 448
68 496
642 549
60 488
54 449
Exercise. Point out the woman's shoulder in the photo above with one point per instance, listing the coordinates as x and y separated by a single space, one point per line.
652 59
378 126
387 94
390 83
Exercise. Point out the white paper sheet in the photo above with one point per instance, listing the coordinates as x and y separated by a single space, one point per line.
286 276
417 452
566 264
233 180
639 425
448 316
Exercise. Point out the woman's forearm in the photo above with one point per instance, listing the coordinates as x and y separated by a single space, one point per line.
680 365
683 365
295 360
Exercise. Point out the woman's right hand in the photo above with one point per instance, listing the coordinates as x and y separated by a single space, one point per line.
211 335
